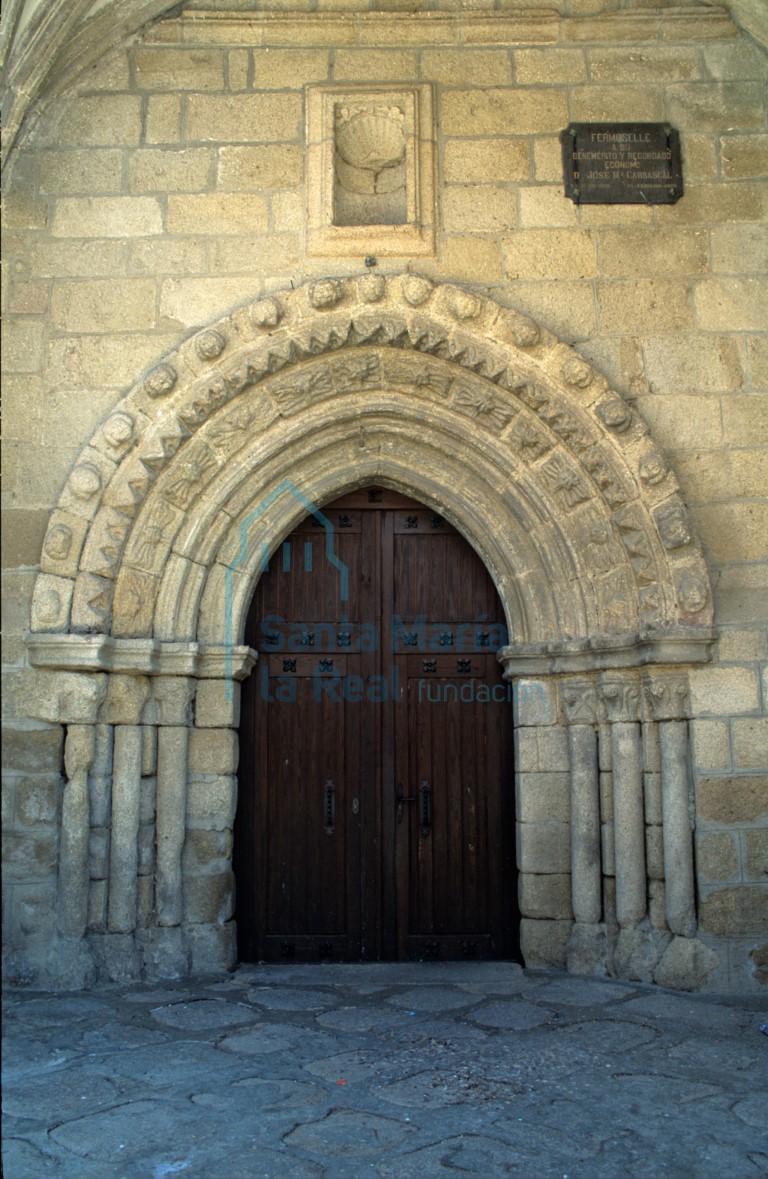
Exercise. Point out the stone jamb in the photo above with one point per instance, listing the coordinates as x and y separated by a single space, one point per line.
141 702
634 721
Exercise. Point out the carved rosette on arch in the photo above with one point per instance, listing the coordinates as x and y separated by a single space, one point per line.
210 344
267 313
160 381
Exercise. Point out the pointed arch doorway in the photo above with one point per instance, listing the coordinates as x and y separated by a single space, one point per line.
375 813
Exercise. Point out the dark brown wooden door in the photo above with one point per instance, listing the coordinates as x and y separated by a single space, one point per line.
375 810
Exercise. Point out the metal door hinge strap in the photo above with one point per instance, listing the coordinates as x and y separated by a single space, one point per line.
329 807
400 798
425 807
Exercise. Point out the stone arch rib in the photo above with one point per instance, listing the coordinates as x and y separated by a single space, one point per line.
550 474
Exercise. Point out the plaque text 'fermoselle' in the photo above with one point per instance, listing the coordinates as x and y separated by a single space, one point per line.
622 163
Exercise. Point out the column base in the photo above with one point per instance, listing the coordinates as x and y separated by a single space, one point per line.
116 956
164 952
211 947
685 965
587 950
543 943
637 952
71 965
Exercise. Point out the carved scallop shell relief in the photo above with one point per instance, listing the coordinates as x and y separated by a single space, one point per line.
369 165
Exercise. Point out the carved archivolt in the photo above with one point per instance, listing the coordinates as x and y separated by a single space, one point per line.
211 458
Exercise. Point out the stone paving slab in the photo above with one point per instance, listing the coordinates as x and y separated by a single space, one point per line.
388 1071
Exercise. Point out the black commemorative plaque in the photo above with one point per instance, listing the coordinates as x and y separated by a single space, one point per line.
622 163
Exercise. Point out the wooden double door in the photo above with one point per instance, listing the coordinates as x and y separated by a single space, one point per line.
375 812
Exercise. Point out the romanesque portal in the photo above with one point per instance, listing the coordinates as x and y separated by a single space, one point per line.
152 555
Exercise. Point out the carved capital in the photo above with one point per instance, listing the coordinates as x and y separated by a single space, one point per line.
79 697
126 697
173 697
667 695
621 696
61 697
581 701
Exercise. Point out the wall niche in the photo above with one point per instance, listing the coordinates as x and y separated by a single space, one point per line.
370 170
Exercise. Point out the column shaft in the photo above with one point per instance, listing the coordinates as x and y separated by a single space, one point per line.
678 845
586 890
629 823
75 833
124 849
172 743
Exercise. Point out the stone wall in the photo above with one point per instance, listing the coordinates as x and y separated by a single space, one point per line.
169 187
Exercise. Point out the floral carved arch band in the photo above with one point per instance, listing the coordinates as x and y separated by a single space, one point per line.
152 552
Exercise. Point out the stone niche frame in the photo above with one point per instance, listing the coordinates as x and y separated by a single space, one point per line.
415 236
154 549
